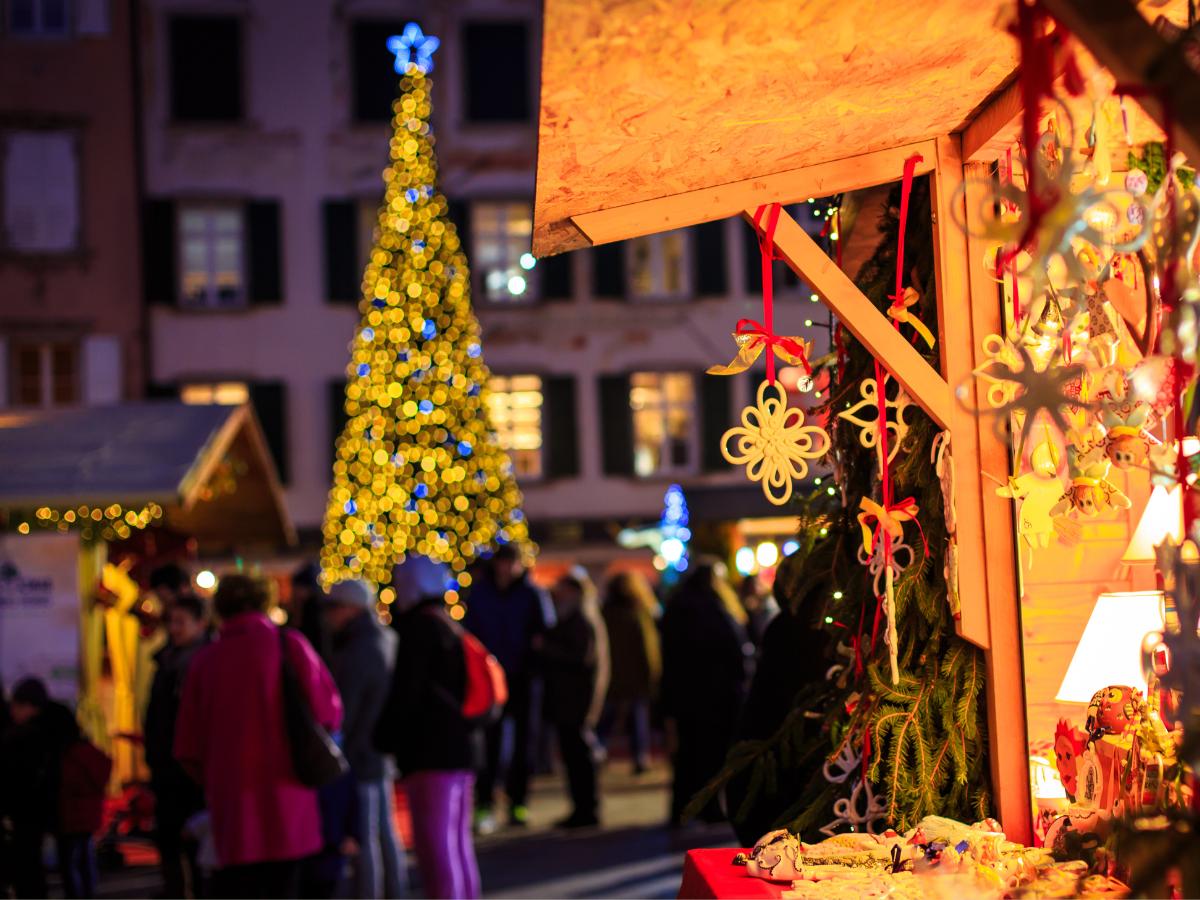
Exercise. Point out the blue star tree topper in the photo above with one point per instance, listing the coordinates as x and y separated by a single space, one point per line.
413 47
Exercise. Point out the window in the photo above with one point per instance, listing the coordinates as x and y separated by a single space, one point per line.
374 86
663 406
39 18
41 191
496 61
221 393
211 251
44 373
501 236
515 404
206 68
658 266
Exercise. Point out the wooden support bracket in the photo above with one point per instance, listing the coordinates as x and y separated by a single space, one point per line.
871 327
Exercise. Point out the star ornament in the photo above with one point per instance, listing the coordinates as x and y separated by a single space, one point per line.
413 47
773 443
1047 393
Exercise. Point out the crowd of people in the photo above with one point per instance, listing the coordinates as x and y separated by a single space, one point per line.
235 819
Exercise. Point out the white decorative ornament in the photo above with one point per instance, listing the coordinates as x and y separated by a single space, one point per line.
862 809
868 435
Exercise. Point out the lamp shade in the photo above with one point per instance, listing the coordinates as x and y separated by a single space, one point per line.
1162 518
1110 651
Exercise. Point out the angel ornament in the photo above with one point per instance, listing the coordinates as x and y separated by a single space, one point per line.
1039 492
1126 442
1091 494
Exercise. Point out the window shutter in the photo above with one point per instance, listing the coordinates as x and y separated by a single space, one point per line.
337 414
496 66
715 420
158 252
608 271
262 246
102 369
343 274
374 78
459 212
555 274
560 442
161 390
616 425
269 399
708 259
196 43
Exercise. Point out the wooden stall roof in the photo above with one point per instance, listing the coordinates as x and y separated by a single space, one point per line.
643 99
169 453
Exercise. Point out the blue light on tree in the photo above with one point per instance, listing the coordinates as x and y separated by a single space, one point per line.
412 46
675 533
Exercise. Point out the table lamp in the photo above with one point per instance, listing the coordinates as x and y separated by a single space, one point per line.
1162 518
1110 651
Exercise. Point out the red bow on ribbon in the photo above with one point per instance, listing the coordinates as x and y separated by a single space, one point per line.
792 348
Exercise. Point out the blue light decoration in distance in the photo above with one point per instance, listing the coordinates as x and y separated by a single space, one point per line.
412 46
675 533
790 547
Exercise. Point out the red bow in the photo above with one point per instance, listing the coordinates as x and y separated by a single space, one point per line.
793 349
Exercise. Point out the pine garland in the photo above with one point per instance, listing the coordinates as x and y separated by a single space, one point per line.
927 734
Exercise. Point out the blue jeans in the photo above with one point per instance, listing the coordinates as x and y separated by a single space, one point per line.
381 870
77 863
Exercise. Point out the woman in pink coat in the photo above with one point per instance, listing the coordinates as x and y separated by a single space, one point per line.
230 736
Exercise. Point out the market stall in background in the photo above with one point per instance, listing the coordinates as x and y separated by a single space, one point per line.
91 501
998 565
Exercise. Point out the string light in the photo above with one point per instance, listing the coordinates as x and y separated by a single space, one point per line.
418 467
110 523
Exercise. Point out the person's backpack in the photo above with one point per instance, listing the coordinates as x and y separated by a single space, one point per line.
486 687
316 758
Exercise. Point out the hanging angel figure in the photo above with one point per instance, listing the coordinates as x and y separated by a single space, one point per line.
1038 493
1090 494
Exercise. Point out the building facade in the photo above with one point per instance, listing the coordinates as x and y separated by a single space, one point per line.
266 129
71 310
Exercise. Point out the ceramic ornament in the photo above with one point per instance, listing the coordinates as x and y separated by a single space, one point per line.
1037 492
773 443
1126 442
1091 494
868 434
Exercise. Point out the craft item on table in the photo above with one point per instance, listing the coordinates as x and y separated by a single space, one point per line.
901 312
752 338
896 426
1069 743
861 810
943 465
1112 710
1126 442
1038 492
773 443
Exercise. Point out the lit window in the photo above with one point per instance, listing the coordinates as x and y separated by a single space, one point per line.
658 266
663 406
222 393
39 18
44 374
501 234
212 242
41 191
515 404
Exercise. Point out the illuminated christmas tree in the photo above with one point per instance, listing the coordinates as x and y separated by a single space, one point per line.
418 468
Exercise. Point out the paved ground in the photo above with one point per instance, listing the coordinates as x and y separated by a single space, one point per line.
632 855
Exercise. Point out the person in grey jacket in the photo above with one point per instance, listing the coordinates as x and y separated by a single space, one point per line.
362 659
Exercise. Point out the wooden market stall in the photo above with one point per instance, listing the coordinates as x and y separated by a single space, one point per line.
656 116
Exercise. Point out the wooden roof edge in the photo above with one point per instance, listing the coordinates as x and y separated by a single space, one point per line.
645 217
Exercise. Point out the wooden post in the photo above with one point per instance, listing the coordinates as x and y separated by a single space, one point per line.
871 327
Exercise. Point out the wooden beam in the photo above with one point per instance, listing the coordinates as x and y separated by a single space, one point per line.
1137 55
722 201
1007 727
995 126
871 327
957 341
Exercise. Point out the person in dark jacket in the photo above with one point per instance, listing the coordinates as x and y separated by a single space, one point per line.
48 785
177 797
509 615
306 608
575 660
363 661
636 654
436 747
705 656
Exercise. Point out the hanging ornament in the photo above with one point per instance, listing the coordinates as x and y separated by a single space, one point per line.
1038 493
901 312
1091 494
751 339
883 527
943 465
1126 442
876 564
861 810
1038 394
773 443
868 435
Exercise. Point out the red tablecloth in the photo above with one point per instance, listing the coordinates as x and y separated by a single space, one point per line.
711 874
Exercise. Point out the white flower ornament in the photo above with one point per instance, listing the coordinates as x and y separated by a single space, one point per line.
773 443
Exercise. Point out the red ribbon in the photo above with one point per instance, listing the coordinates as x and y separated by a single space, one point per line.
759 334
766 246
910 166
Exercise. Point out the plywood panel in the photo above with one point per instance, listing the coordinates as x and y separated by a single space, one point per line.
642 99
